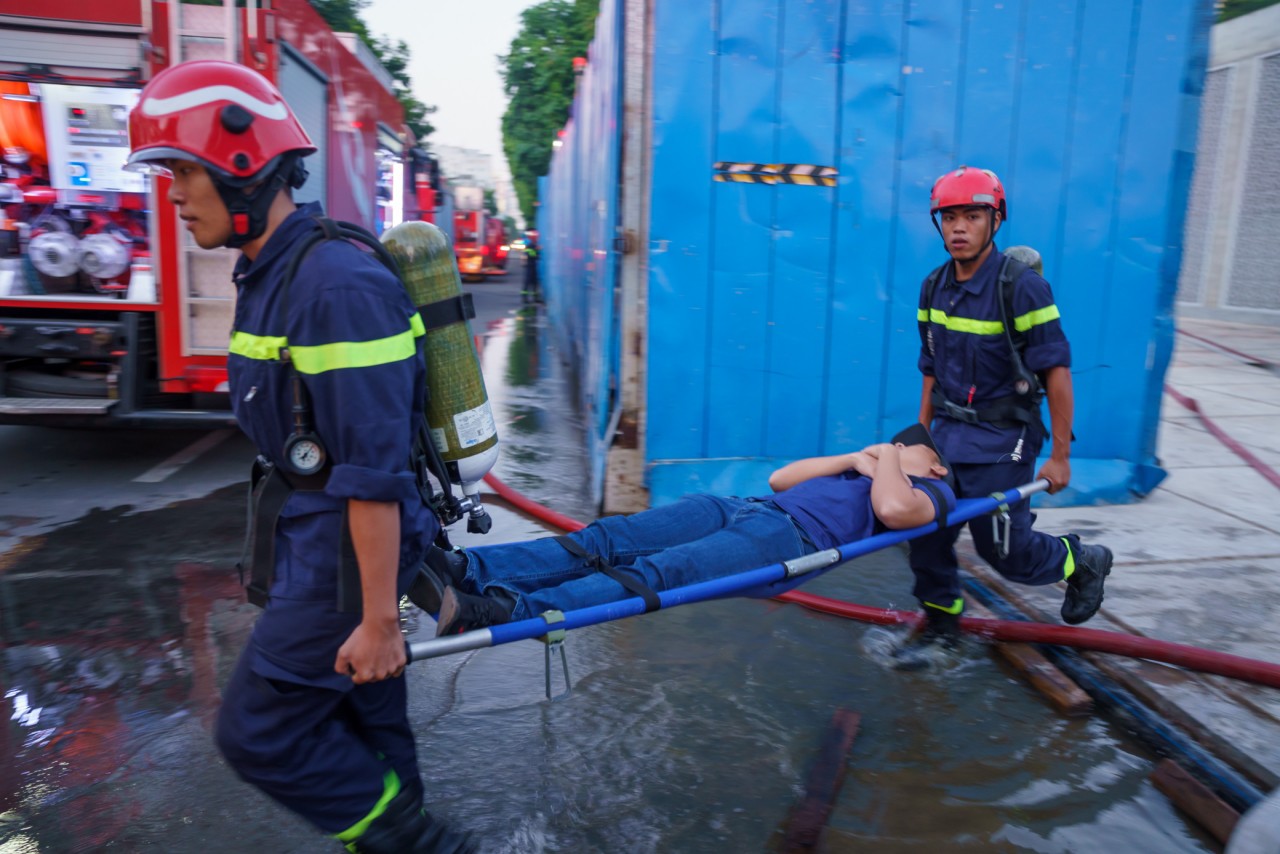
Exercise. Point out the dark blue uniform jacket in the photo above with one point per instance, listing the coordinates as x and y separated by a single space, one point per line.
356 340
963 346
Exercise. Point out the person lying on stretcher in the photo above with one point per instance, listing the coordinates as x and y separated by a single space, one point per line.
818 503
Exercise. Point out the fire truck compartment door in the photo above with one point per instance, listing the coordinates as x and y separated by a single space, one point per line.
306 89
69 53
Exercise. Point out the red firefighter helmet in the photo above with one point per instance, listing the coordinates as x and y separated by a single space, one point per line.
968 185
223 115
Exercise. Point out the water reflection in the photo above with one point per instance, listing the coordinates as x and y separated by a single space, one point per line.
690 730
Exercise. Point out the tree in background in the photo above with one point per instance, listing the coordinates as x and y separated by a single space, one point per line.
1228 9
491 202
538 77
344 17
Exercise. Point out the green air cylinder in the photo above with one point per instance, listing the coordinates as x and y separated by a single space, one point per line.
1027 255
458 411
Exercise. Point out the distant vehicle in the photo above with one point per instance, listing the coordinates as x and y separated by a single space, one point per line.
479 240
518 244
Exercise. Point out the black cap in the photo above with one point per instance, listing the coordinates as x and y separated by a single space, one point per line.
918 434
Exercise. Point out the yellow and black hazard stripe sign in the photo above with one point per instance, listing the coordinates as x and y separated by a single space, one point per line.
802 174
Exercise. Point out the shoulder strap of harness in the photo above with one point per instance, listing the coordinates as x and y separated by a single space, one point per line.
630 582
1011 269
930 287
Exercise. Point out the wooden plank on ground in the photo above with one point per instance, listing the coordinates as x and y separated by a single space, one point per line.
808 818
1195 799
1066 696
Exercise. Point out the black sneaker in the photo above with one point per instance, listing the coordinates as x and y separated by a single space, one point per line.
941 634
440 569
462 612
1084 587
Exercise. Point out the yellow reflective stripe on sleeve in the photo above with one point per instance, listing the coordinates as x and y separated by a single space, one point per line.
955 608
1034 318
390 788
965 324
319 358
922 315
265 347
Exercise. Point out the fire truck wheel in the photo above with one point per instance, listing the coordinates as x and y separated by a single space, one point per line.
37 384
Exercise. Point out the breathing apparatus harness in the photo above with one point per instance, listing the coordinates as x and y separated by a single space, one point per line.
305 465
1019 409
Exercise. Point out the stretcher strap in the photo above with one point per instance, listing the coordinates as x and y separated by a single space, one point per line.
633 585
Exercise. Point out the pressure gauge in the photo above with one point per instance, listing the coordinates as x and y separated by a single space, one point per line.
303 454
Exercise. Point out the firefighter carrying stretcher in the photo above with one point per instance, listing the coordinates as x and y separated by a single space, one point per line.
327 379
992 347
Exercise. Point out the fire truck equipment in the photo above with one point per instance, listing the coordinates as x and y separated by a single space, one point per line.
104 255
55 253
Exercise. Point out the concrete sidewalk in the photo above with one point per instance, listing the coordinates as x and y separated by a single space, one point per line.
1198 561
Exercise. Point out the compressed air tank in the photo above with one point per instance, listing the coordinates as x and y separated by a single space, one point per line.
458 411
1027 255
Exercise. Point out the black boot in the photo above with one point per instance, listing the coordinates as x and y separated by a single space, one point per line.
1084 587
941 632
440 569
462 612
406 828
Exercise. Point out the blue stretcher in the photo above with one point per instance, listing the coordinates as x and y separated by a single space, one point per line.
764 582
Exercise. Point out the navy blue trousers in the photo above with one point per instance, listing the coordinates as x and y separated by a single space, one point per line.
323 753
1034 558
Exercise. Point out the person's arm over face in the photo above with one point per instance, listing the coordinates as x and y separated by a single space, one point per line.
864 462
895 502
375 650
1061 397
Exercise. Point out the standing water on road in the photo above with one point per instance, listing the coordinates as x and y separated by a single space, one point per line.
691 730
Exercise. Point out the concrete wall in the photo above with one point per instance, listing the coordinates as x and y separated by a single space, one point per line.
1231 255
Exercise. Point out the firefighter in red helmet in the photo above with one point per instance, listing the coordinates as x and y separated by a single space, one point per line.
992 348
315 713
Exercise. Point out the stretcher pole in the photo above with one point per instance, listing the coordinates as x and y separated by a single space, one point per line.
730 585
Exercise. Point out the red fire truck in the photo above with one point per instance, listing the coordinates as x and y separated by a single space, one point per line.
109 313
434 198
479 240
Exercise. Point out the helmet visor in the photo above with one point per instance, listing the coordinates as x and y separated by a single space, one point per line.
155 161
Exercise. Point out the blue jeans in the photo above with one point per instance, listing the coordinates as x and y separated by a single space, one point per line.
698 538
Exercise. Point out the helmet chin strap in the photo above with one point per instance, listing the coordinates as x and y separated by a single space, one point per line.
249 207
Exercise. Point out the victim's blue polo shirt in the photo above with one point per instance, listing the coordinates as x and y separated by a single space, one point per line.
836 509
